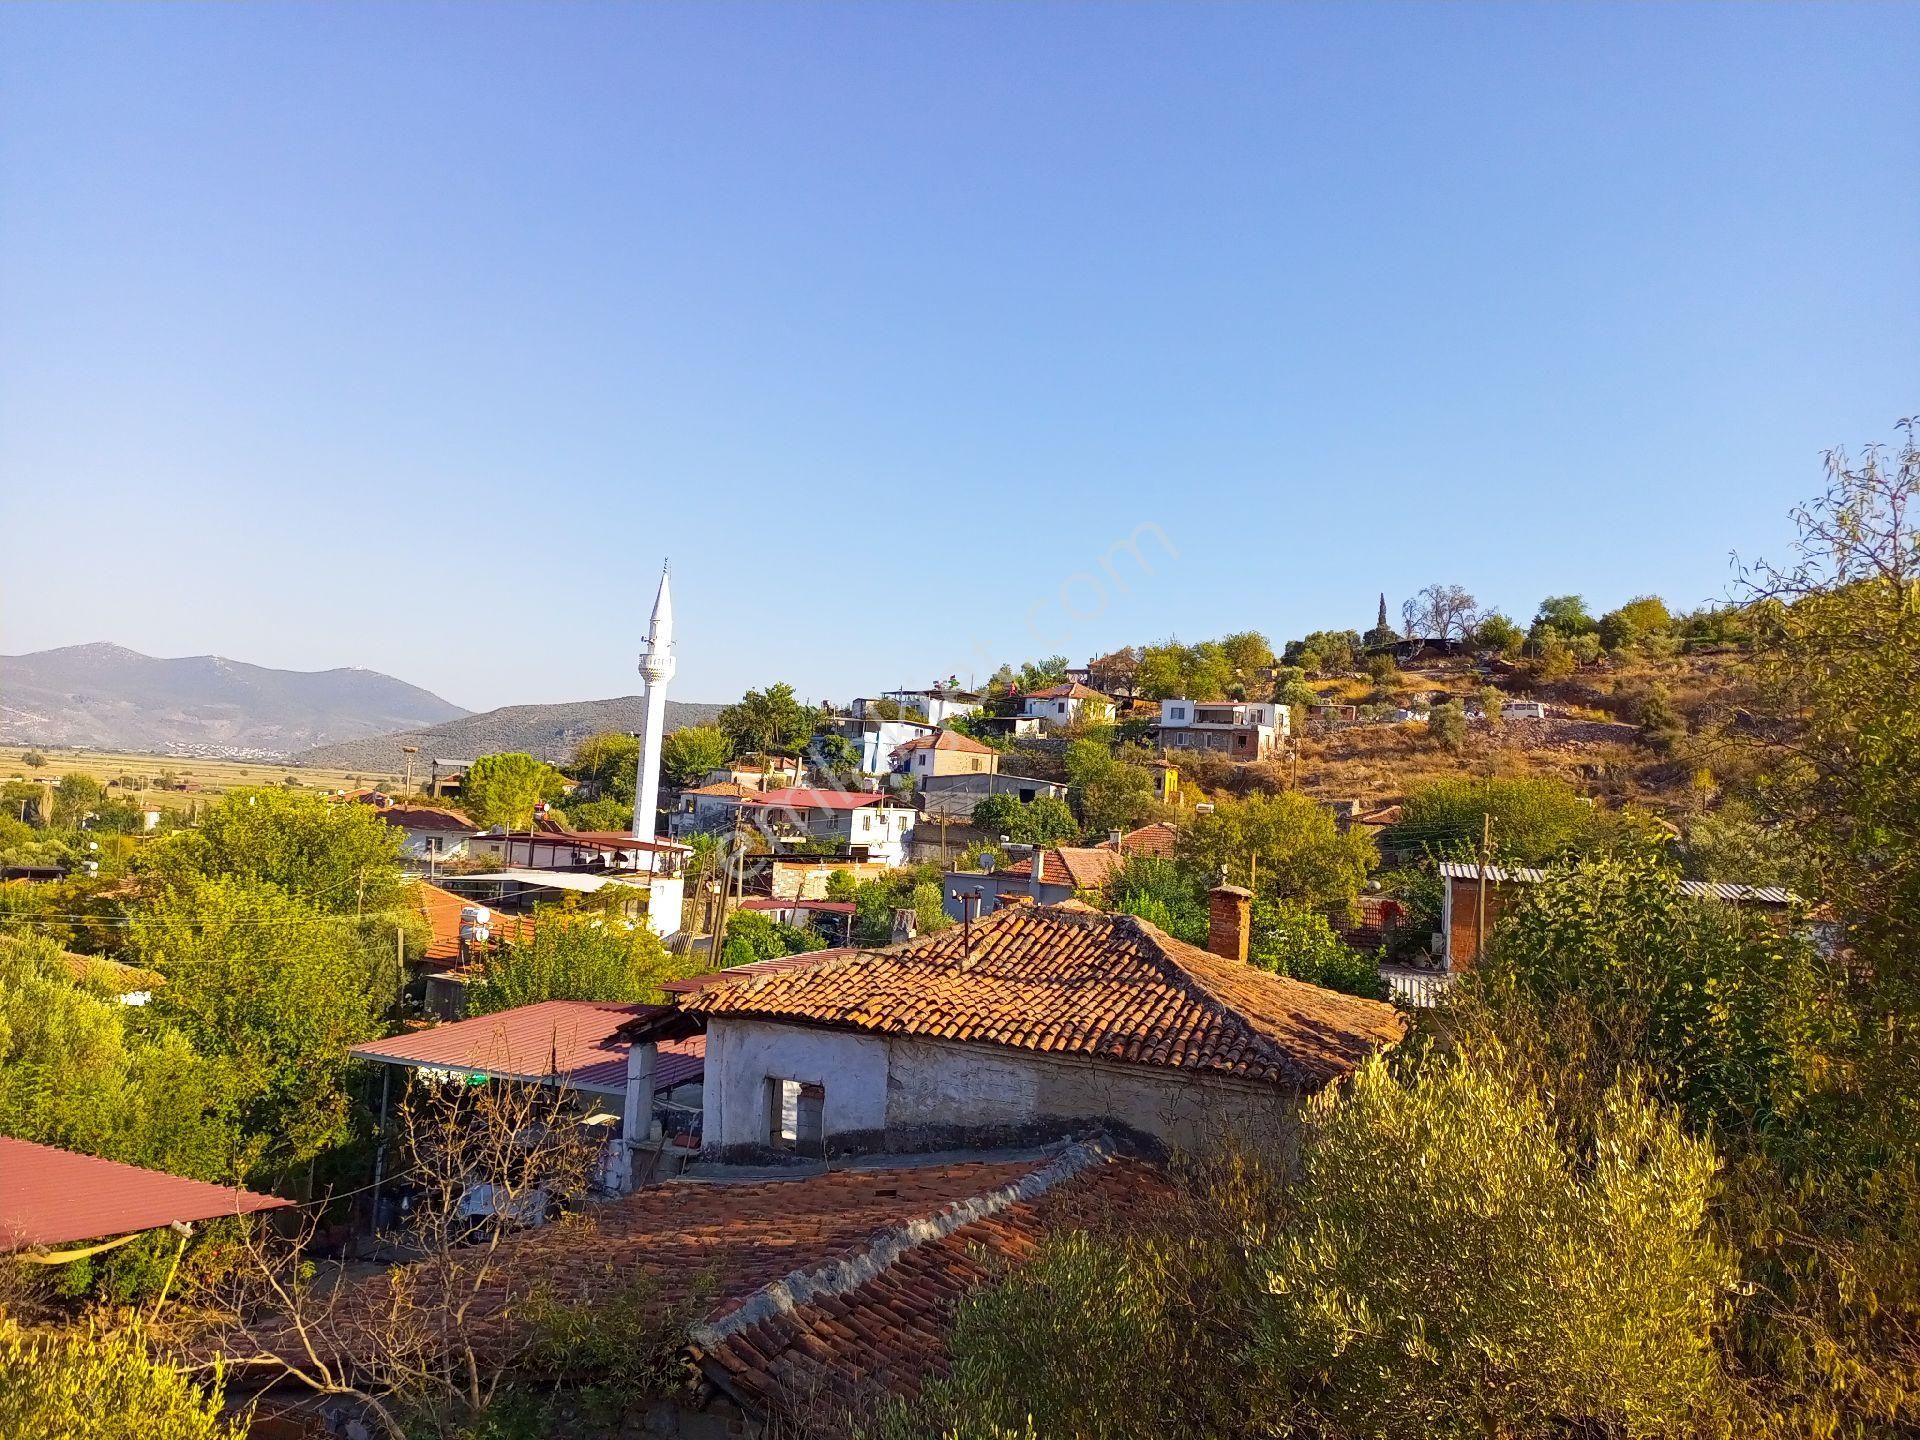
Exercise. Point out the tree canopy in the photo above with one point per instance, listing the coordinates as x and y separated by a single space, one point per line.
1286 845
576 957
504 789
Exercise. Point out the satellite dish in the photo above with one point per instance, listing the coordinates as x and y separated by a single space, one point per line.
986 863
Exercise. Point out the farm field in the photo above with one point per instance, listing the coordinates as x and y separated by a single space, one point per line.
205 776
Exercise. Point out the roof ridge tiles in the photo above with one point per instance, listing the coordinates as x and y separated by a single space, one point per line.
818 1283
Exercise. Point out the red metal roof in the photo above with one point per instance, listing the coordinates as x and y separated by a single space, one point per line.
55 1197
585 839
801 798
573 1041
761 902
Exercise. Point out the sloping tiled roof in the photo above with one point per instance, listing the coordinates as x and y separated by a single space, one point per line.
1063 979
442 909
844 1348
1081 867
55 1197
727 789
1072 690
574 1041
946 740
821 1289
687 984
1157 839
1692 889
427 818
110 974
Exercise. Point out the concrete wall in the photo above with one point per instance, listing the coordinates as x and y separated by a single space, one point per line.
907 1093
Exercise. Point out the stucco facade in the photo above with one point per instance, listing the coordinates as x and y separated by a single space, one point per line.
912 1093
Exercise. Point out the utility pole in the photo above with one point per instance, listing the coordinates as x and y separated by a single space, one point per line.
1480 919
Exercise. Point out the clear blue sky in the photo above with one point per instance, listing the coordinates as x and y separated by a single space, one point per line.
413 336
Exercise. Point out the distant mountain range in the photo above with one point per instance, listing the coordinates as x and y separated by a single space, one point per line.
107 697
548 731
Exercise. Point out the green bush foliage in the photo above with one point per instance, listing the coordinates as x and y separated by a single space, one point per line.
1457 1270
576 957
71 1385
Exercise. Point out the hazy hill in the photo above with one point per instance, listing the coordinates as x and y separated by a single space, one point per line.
108 697
548 731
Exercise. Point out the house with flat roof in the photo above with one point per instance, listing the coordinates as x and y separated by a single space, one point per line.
1237 729
865 827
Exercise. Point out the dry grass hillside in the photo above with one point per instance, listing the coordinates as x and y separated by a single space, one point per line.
1623 732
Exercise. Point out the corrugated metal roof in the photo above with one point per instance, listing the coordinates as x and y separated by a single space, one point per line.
574 1042
793 798
55 1197
1693 889
762 902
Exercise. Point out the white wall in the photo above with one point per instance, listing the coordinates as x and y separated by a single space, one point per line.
742 1055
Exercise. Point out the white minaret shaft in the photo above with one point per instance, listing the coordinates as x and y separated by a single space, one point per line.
656 668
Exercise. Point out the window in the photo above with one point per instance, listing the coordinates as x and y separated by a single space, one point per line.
1061 707
796 1116
976 765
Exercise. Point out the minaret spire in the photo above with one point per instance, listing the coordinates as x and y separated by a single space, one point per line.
657 665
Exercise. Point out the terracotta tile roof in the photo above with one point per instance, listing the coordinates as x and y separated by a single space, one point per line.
575 1041
1072 690
1157 839
442 911
729 789
123 979
822 1289
844 1349
55 1197
1064 979
946 740
427 819
687 984
1080 867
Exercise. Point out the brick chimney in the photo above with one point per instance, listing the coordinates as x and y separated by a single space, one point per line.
1229 910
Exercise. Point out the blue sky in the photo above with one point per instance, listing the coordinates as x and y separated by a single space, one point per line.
413 337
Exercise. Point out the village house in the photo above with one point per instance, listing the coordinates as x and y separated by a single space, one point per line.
1033 1020
427 835
1238 729
644 1108
584 861
1059 706
930 707
952 797
874 740
945 752
755 774
1061 872
863 826
705 809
